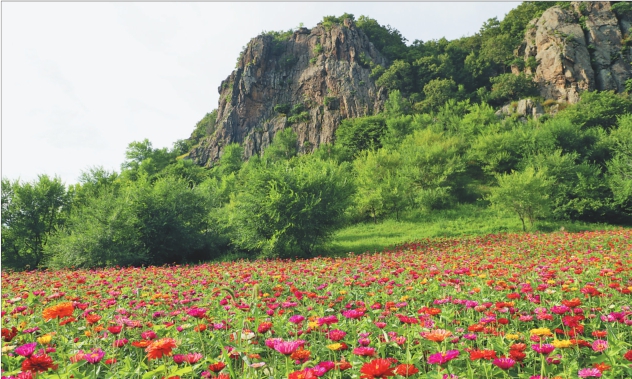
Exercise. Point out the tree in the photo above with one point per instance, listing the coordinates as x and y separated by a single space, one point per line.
508 87
397 77
355 135
283 147
286 209
526 193
31 214
232 158
380 186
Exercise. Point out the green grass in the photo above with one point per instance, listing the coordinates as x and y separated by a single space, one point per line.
460 221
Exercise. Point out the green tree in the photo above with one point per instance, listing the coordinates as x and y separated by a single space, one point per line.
381 188
397 76
288 208
31 214
508 87
284 146
103 231
233 157
355 135
526 193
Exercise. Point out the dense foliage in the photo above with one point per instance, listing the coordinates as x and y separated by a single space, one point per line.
528 306
438 144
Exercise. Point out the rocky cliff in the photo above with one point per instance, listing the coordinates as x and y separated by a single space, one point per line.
584 47
309 81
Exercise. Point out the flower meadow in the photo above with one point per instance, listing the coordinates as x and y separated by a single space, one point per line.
500 306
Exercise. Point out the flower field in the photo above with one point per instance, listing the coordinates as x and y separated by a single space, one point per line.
501 306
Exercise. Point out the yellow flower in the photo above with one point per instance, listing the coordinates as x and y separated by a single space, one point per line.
45 339
7 348
343 292
512 336
541 332
404 298
482 276
312 324
334 346
561 344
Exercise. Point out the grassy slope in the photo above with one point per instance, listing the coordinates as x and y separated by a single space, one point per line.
463 220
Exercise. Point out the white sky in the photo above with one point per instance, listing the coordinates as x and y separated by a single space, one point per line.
80 81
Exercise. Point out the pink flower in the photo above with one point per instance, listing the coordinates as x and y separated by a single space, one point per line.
288 347
148 335
545 349
26 350
589 373
296 319
197 312
364 351
353 314
441 358
504 363
94 356
599 345
336 335
120 343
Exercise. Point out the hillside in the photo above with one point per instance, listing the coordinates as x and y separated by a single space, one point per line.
312 79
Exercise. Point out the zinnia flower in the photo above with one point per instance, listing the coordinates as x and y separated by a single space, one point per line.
364 351
60 310
545 349
437 335
94 356
377 368
38 363
504 363
406 370
589 373
160 347
599 345
441 358
26 350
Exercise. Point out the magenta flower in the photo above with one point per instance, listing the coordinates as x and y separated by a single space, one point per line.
296 319
441 358
120 343
364 351
270 342
504 363
197 312
178 358
94 356
26 350
545 349
288 347
599 345
148 335
589 373
353 314
327 320
336 335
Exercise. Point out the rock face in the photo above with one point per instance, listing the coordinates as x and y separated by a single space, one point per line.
310 82
577 49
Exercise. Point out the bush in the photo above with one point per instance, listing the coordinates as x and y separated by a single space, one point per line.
287 209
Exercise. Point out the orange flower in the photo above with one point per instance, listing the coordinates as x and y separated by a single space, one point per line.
142 343
300 355
60 310
160 347
93 318
437 335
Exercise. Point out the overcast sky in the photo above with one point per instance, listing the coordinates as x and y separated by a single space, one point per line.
80 81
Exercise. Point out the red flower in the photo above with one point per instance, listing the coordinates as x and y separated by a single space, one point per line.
38 363
628 355
217 367
406 370
115 329
482 354
377 368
